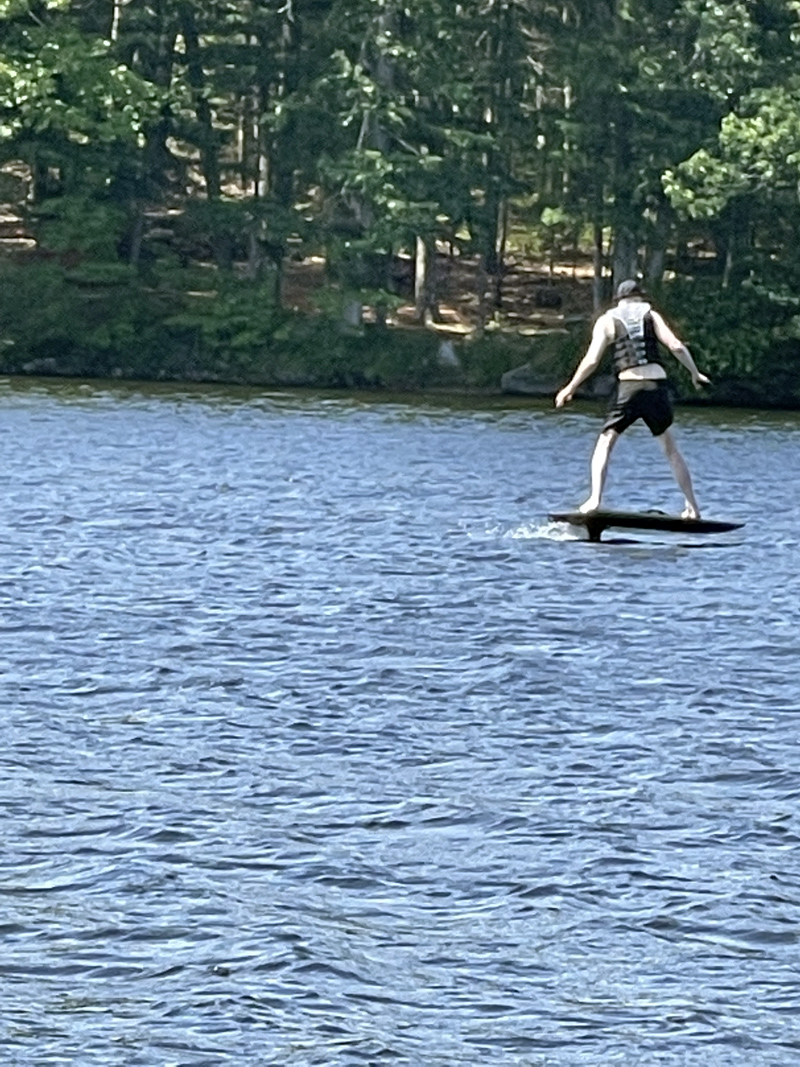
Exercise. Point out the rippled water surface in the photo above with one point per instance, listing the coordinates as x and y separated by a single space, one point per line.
322 746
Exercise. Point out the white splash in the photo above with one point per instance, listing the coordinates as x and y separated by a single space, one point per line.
549 531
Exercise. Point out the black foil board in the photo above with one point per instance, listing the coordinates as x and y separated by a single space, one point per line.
598 521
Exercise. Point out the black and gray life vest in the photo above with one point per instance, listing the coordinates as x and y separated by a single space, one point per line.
635 340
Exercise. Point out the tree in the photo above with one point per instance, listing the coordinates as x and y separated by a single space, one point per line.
619 110
742 185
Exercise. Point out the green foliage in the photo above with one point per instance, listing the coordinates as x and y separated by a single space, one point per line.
57 82
357 127
85 321
105 322
228 329
724 42
553 355
747 340
75 222
757 153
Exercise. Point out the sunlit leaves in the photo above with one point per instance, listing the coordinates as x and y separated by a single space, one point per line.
56 79
11 9
724 54
758 152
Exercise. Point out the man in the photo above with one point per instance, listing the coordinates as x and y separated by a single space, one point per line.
634 329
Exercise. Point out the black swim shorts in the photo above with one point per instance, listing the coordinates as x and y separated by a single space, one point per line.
647 400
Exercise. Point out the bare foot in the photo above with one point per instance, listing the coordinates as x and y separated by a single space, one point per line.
589 505
690 513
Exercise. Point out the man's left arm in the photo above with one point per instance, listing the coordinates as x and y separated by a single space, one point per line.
678 349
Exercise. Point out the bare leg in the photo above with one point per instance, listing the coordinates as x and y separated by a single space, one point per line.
681 472
599 467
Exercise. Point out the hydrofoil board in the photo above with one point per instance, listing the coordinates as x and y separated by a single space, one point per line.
595 522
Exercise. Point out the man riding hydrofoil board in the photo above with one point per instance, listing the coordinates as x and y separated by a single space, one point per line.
634 329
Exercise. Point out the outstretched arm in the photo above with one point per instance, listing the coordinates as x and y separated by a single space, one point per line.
588 365
678 349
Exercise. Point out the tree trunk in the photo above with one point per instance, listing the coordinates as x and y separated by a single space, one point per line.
481 285
728 268
656 260
196 76
598 280
277 287
281 165
657 252
626 254
492 227
116 12
502 237
255 258
425 281
249 137
137 236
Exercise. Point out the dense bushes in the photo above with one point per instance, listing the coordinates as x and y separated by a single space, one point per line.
202 325
747 339
104 320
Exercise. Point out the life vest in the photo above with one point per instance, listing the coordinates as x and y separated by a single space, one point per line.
635 341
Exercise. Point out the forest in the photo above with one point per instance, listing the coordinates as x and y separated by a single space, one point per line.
174 172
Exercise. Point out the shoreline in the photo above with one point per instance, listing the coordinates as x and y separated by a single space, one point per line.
446 395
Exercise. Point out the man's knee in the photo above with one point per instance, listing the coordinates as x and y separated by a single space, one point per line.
667 442
606 440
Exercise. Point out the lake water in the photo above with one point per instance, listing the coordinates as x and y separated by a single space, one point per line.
321 745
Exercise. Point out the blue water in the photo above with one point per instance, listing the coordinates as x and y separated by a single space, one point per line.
322 745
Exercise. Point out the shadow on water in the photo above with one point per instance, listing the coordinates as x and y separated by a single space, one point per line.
669 546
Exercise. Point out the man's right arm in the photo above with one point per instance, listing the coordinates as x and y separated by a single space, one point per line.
590 362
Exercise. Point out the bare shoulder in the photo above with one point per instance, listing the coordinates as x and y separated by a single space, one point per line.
663 331
604 326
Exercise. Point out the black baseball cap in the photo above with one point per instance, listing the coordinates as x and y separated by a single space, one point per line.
629 288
